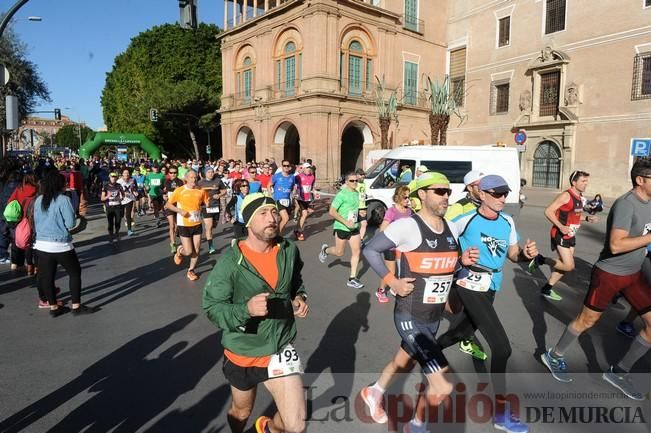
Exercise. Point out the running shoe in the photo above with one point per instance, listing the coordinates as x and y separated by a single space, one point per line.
173 248
158 223
509 423
381 296
354 283
129 233
626 328
473 349
373 400
323 255
84 309
212 250
551 295
622 382
178 259
5 261
535 263
262 424
299 236
410 427
192 276
556 366
44 304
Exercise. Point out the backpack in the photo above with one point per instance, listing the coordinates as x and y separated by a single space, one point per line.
13 212
23 232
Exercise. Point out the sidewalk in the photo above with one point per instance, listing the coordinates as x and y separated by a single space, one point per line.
542 197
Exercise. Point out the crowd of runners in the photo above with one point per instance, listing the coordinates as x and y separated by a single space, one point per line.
431 256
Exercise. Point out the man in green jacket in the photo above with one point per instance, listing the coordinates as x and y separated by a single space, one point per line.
253 294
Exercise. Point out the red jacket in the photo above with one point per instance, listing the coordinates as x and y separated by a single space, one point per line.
24 194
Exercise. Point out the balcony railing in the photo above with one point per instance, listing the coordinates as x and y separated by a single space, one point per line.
286 89
245 14
243 98
412 23
357 88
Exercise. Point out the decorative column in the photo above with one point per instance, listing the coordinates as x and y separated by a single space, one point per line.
225 15
255 8
266 6
234 13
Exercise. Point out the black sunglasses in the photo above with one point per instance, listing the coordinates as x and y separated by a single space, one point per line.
353 180
286 165
440 191
173 172
498 194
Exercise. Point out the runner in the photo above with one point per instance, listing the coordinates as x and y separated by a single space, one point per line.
362 216
494 233
129 187
565 215
401 209
154 182
618 270
242 290
186 201
112 196
264 177
345 210
427 252
467 204
171 183
215 189
305 198
140 184
282 186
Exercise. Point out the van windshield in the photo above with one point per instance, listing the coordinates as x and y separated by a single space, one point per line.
378 167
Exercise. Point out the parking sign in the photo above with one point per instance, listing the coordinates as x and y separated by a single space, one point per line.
640 147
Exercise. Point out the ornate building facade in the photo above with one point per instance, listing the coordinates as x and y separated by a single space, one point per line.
299 76
35 132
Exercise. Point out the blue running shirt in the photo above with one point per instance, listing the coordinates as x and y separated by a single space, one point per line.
283 186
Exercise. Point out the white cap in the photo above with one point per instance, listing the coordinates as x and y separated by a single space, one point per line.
306 165
422 169
471 177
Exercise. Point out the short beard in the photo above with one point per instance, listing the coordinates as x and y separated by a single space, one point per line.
264 235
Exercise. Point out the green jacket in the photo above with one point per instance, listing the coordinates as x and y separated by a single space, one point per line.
233 281
464 205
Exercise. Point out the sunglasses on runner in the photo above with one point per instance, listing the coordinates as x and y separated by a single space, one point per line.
353 180
173 172
498 194
440 191
286 165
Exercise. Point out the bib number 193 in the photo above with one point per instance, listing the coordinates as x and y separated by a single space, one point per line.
285 362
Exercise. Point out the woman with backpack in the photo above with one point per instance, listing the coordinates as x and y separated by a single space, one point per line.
54 217
21 252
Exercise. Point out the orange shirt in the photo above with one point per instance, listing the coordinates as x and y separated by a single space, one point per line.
265 264
189 199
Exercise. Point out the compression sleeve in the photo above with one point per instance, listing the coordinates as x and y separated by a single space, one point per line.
373 253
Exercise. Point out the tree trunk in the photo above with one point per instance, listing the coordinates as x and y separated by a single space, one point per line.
433 126
385 122
445 120
194 143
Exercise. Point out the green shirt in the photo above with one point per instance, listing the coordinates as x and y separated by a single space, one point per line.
361 191
155 183
464 205
182 171
346 203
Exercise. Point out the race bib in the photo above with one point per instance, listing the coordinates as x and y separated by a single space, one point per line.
573 229
352 216
285 362
195 216
113 203
476 281
437 289
155 182
284 202
362 196
212 210
307 188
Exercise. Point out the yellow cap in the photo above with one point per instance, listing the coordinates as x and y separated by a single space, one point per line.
427 179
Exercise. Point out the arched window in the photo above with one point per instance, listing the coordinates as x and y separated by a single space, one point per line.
288 70
355 69
245 81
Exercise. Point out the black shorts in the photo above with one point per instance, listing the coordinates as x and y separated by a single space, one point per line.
419 341
558 241
157 201
205 215
362 215
188 232
168 212
243 378
304 205
342 234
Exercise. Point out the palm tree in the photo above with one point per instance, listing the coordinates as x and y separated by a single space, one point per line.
387 110
443 103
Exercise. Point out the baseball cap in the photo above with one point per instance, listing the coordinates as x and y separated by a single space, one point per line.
306 165
427 179
113 174
252 203
471 177
422 169
494 182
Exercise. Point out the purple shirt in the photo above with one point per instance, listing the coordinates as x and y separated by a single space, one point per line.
393 214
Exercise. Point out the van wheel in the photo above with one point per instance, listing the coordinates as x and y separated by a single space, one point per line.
375 213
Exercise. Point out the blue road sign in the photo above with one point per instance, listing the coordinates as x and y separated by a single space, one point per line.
640 146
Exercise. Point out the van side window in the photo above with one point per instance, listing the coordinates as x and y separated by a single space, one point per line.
392 173
453 170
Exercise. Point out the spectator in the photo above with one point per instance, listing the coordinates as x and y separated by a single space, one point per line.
595 205
24 194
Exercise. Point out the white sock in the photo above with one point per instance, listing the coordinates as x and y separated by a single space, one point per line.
416 422
377 387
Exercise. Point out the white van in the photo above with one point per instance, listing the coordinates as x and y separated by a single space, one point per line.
453 161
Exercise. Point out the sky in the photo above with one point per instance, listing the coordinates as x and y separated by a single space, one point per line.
76 43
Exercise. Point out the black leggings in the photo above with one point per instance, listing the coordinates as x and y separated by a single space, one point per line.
47 268
114 217
128 209
480 314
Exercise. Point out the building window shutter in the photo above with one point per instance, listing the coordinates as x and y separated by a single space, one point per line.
369 67
549 93
290 75
247 86
458 75
641 77
555 18
411 14
354 75
411 83
504 31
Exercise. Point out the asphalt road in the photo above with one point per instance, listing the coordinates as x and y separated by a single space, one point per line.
151 361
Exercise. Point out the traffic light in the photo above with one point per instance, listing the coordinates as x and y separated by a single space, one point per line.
57 114
188 12
153 115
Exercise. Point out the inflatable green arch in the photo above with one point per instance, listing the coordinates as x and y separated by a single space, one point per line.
87 149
